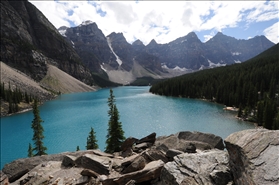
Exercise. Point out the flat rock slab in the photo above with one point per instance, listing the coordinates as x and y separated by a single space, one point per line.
254 156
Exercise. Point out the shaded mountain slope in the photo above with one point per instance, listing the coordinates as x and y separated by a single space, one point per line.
25 31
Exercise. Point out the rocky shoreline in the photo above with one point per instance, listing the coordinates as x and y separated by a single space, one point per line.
250 157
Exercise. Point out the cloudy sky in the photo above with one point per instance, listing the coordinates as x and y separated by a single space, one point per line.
165 21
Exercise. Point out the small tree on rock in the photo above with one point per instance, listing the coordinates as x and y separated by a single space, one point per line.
91 140
115 136
30 151
38 131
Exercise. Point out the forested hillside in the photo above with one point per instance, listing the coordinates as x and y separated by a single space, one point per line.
252 87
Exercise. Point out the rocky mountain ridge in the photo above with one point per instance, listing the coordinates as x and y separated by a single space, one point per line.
85 52
190 158
185 54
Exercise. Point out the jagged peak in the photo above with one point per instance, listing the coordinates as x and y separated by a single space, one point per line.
117 36
113 34
192 34
138 43
152 42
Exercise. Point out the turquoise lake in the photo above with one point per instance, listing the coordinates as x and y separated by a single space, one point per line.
68 119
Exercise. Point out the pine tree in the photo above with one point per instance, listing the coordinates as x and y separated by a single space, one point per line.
115 136
38 131
91 140
77 148
30 150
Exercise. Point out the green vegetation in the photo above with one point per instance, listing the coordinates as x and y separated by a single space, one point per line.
38 131
91 140
115 136
14 97
144 81
103 81
253 86
30 151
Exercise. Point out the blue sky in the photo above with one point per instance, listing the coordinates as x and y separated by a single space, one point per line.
165 21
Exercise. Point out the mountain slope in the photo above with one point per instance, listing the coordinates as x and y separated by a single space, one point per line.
258 71
26 35
61 82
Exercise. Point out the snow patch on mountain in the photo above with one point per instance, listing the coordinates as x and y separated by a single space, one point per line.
237 61
84 23
102 67
202 67
73 44
118 60
63 32
235 53
180 69
177 68
211 64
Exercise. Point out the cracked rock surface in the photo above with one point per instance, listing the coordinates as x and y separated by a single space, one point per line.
254 156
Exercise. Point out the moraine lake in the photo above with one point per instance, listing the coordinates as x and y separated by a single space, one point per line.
68 119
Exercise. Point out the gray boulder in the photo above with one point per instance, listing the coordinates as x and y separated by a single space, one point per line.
19 167
171 153
254 156
198 168
154 155
189 142
211 139
151 138
68 161
151 171
98 164
128 143
138 164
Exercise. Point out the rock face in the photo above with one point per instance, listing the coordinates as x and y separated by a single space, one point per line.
207 167
251 158
254 156
29 41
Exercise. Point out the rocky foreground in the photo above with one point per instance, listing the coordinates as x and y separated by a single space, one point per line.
251 157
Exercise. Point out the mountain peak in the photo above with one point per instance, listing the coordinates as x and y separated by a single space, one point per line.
138 43
192 34
117 36
152 42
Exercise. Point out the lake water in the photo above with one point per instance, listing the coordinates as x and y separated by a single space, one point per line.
68 119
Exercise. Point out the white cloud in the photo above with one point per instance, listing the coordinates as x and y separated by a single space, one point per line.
272 33
163 21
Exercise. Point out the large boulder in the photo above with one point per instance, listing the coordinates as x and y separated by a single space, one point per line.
254 156
189 141
151 138
20 167
207 167
150 172
211 139
128 143
98 164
